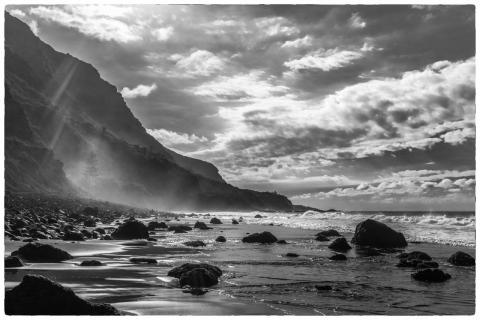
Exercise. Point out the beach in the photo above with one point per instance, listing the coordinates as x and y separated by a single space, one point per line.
259 279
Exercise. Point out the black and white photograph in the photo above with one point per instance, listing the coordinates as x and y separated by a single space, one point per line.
255 159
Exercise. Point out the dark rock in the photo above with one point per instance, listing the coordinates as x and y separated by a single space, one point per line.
35 251
180 229
215 221
234 221
177 272
89 223
131 229
152 239
87 234
291 255
329 233
258 216
201 226
338 257
152 225
321 238
37 295
376 234
73 236
195 291
460 258
199 277
264 237
282 242
415 255
143 260
221 239
13 262
91 263
340 244
323 288
196 243
431 275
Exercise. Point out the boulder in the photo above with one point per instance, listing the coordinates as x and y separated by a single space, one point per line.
37 295
323 288
338 257
234 221
180 229
198 277
13 262
177 272
35 251
221 239
322 238
91 263
431 275
201 225
291 255
195 243
281 242
215 221
258 216
90 223
131 229
152 225
460 258
143 260
329 233
340 244
415 255
376 234
264 237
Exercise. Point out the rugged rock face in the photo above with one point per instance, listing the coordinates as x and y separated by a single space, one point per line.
340 244
379 235
51 134
35 251
37 295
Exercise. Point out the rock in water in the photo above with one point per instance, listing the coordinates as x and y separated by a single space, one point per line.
234 221
143 260
258 216
323 288
215 221
291 255
431 275
178 271
329 233
338 257
180 228
37 295
221 239
35 251
196 243
73 236
13 262
460 258
196 274
340 244
131 229
321 238
91 263
415 255
376 234
152 225
201 226
264 237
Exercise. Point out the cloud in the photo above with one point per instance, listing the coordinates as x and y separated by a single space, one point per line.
298 43
199 63
176 140
163 34
141 90
34 27
17 13
102 22
357 22
459 136
325 60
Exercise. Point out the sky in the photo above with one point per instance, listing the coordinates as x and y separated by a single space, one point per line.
349 107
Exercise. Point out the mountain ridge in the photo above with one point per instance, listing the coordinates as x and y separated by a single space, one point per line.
71 113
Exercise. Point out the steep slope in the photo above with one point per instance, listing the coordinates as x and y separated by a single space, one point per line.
91 139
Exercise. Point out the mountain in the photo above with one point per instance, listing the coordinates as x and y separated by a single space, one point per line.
68 130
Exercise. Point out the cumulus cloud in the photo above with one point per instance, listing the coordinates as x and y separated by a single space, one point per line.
141 90
17 13
298 43
174 139
199 63
357 22
325 60
99 21
163 34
